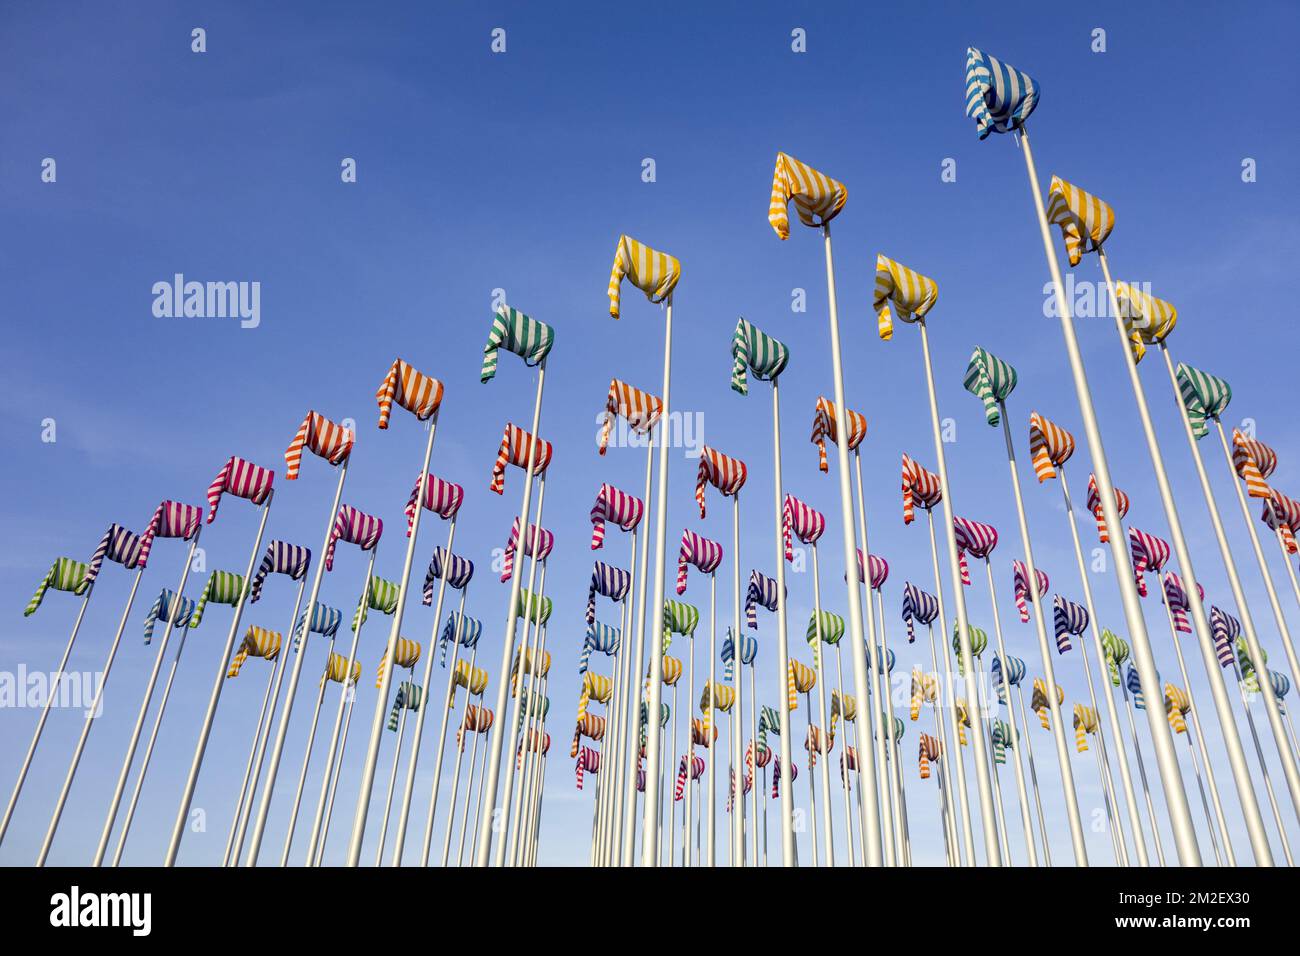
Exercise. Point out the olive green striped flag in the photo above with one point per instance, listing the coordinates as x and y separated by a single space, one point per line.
990 380
381 596
64 575
679 618
754 350
223 587
1116 650
409 696
832 629
1204 396
533 608
528 338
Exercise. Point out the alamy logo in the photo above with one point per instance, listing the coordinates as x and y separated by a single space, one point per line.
74 909
208 300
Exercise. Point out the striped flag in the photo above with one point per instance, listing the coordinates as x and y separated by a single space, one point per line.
1038 701
1225 629
699 551
337 669
459 572
355 527
171 519
1094 505
407 655
799 520
419 394
324 620
222 587
918 605
976 537
1085 221
381 595
409 696
443 498
762 592
614 583
1050 446
538 544
1204 396
823 628
591 726
1003 740
1069 619
721 471
903 292
654 273
754 350
929 749
919 485
617 506
321 437
1014 670
515 332
1148 319
258 642
167 608
824 427
979 642
64 575
817 198
474 680
990 380
1254 462
1020 583
999 98
879 570
1085 722
1134 684
1177 705
748 653
280 558
1116 650
679 618
597 688
514 450
1282 514
460 629
599 637
1149 554
240 478
1178 602
640 409
800 679
118 544
925 689
530 606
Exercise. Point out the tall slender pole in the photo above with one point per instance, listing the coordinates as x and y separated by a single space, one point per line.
91 714
753 773
901 835
394 633
392 784
844 768
455 780
688 749
737 766
532 732
650 837
711 740
828 824
45 713
788 857
483 844
869 805
1033 777
146 699
628 672
334 783
636 683
1142 773
1170 776
465 826
252 753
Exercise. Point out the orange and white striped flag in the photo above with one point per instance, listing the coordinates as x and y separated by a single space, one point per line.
418 393
321 437
1254 462
1050 446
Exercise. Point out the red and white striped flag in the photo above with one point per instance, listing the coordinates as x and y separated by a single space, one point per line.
321 437
171 520
355 527
418 393
617 506
1094 505
241 478
442 497
641 409
699 551
514 449
723 472
919 485
797 519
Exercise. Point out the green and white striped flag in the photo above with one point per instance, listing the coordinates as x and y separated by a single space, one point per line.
380 596
1116 650
528 338
679 618
754 350
223 587
64 575
832 629
409 695
990 380
536 610
1204 396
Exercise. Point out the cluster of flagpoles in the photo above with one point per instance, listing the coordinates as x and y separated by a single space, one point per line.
648 759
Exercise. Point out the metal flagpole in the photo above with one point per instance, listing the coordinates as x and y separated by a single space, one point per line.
483 839
95 707
627 673
738 667
1026 819
1142 772
334 783
828 824
477 802
532 762
753 770
844 769
1170 776
1130 798
533 721
252 750
1033 776
869 805
244 809
688 748
45 713
788 857
650 837
711 739
628 851
455 780
812 781
941 731
147 698
448 703
901 835
392 779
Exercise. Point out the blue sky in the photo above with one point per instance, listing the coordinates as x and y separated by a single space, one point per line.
518 171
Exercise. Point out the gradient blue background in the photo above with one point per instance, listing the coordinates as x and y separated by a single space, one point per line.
519 171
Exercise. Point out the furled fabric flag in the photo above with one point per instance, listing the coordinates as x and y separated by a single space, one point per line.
1147 318
726 474
171 519
1177 706
1094 505
769 721
1134 684
918 605
280 558
599 637
406 655
1149 554
1038 701
614 583
903 292
588 762
338 671
1085 722
817 198
258 642
528 338
697 771
167 608
748 653
460 629
1003 740
928 752
640 409
889 661
529 741
1116 650
591 726
1069 619
799 520
1254 462
325 620
594 687
416 392
825 426
754 350
443 498
535 609
473 679
654 273
1249 671
117 544
1177 600
64 575
1020 583
679 618
698 550
1085 220
538 544
817 742
409 696
1204 396
925 689
762 592
1050 446
1225 629
1014 670
919 486
240 478
514 450
999 98
990 380
1282 514
672 671
979 642
381 595
976 537
715 696
355 527
459 571
826 626
799 679
879 570
321 437
534 661
963 719
223 587
477 720
617 506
